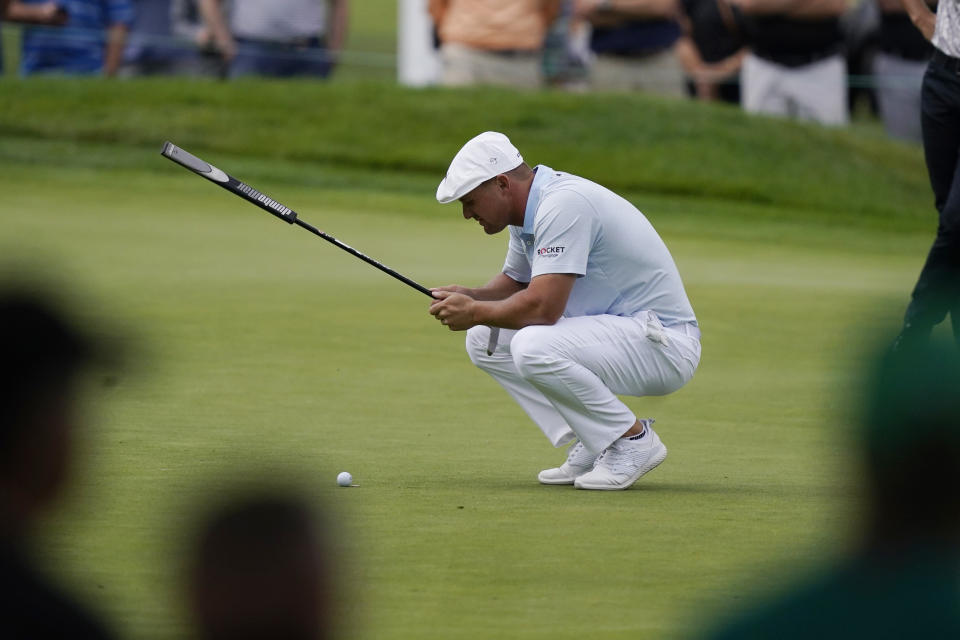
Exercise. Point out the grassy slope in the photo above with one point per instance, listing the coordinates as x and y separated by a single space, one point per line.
267 349
630 142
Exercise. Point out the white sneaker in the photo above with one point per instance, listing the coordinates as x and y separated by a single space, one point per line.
623 462
579 461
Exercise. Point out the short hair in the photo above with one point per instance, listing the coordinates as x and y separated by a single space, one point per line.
522 170
41 349
261 571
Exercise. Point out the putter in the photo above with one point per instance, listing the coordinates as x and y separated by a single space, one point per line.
248 193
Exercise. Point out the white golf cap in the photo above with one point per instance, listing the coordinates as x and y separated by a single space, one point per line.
483 157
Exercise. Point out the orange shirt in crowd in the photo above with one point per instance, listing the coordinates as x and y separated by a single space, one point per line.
494 24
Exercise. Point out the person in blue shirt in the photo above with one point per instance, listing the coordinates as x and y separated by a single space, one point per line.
589 305
48 12
91 41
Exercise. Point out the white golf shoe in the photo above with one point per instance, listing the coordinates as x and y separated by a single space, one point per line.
623 462
579 461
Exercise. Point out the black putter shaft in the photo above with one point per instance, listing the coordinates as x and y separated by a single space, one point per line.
248 193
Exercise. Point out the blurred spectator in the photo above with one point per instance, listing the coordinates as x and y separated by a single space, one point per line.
183 37
287 38
90 42
795 67
495 42
205 24
901 581
633 42
712 49
861 32
898 68
41 355
150 49
937 292
566 50
261 570
48 13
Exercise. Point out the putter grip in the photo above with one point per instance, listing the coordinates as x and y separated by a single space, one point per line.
211 173
188 160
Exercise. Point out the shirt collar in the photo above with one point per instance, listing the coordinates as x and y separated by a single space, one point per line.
543 176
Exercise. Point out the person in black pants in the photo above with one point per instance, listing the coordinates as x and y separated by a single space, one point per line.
937 291
712 49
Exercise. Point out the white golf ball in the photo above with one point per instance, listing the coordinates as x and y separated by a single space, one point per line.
344 479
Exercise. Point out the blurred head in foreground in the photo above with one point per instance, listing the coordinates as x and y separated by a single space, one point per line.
261 570
903 579
42 352
911 447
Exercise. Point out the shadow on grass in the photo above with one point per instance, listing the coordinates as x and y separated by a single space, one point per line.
744 490
794 491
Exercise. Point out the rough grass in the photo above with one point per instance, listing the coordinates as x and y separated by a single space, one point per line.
632 143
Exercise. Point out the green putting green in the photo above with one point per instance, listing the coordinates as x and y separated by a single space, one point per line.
262 351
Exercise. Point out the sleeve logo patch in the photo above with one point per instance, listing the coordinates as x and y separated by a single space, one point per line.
550 252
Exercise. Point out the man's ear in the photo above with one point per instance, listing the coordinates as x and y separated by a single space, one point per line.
503 182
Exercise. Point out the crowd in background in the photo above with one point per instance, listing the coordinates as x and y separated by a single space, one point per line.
807 59
220 38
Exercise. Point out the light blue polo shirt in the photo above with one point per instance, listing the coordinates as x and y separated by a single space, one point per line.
573 225
78 46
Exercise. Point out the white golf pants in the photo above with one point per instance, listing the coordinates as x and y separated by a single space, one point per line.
567 376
